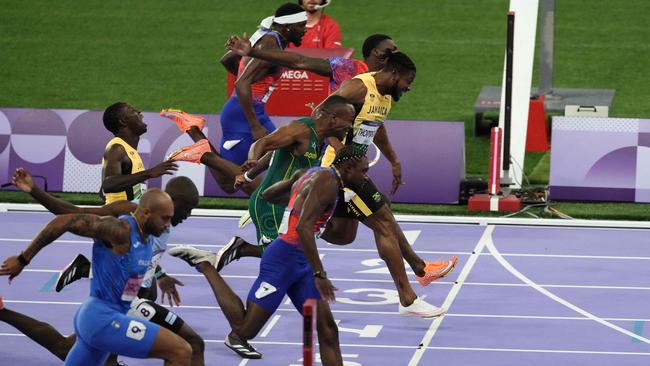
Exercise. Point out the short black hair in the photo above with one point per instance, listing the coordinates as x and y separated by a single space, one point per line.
400 62
288 9
112 116
183 188
334 102
371 43
349 153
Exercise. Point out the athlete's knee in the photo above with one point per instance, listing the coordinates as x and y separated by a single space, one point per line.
195 340
62 348
181 353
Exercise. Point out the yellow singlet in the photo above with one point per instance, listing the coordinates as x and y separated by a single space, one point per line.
136 166
372 115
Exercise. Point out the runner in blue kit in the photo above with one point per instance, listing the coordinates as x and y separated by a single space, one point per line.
290 265
185 197
122 252
243 117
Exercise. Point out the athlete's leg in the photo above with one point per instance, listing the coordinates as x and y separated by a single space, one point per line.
171 348
303 288
40 332
245 322
155 313
386 240
328 336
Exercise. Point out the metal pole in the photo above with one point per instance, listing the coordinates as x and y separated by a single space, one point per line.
547 37
508 100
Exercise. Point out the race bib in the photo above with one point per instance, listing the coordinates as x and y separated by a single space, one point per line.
366 133
138 190
132 287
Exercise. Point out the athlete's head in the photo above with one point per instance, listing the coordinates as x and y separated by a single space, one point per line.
337 113
185 197
313 6
155 211
290 22
402 71
352 164
376 49
120 116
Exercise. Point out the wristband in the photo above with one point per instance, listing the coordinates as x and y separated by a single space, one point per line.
247 178
160 273
22 260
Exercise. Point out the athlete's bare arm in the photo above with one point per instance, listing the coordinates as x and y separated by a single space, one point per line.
286 137
383 144
255 70
317 196
279 193
115 233
24 181
242 46
115 181
230 60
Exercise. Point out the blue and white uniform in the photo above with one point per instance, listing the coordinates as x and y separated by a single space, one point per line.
101 323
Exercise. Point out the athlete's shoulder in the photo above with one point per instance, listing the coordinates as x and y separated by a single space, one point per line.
114 151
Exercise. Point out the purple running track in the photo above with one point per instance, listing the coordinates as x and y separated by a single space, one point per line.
494 318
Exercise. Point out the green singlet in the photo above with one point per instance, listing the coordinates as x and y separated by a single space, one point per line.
267 216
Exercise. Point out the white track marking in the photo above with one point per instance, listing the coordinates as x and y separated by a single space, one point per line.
390 346
270 326
471 261
495 253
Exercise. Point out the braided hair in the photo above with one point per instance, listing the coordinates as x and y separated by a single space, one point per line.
400 62
349 153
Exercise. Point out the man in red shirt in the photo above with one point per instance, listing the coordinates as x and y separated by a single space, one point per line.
322 31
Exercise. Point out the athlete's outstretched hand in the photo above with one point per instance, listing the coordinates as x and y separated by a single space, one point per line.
239 45
397 177
166 167
326 289
168 289
11 267
23 180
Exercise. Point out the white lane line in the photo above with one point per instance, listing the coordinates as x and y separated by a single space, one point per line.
495 253
330 248
541 351
436 283
291 309
390 346
417 356
269 326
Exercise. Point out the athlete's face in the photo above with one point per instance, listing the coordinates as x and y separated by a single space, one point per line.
402 84
159 218
340 121
133 120
357 173
295 32
383 49
182 209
